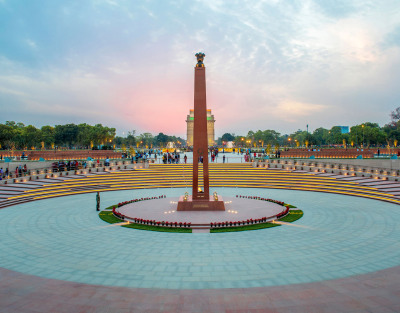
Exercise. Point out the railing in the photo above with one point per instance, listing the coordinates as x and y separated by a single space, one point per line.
49 172
334 168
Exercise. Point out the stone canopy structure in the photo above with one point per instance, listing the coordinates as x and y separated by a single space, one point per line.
210 128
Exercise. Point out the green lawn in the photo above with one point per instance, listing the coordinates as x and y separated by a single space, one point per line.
108 217
293 215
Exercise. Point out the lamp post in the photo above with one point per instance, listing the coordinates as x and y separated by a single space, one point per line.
363 135
329 138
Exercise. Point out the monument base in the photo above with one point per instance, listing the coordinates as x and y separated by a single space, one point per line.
201 205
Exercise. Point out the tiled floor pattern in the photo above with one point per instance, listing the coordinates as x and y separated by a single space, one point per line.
376 292
62 238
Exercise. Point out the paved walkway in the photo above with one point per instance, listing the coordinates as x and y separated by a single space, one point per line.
330 260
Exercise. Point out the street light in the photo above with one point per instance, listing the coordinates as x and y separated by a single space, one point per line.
363 135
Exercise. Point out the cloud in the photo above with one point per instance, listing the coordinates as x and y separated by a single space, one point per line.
290 111
270 64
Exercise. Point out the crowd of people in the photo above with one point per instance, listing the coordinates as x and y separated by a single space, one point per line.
172 158
19 172
62 166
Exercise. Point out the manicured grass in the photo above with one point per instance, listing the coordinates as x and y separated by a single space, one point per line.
108 217
293 215
290 206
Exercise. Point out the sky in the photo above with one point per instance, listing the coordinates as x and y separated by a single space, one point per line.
272 64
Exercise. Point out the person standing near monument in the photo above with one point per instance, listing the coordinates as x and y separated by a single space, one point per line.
98 201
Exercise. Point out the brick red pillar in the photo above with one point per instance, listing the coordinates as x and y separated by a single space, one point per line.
200 138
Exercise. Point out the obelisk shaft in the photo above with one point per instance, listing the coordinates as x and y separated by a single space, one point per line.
200 138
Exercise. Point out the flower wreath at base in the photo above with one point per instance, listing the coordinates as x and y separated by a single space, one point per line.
188 224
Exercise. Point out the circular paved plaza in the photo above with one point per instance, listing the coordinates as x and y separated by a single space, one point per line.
339 237
63 238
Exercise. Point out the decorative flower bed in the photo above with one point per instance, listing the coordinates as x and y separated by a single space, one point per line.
254 221
144 221
189 224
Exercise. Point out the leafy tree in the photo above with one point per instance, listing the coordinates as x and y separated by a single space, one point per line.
240 141
131 139
161 140
368 133
145 139
299 137
392 129
6 136
321 136
85 135
228 137
48 135
66 134
31 136
335 135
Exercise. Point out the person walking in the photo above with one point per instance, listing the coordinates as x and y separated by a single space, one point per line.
223 159
98 201
185 158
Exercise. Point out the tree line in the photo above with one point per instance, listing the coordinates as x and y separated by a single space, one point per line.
17 136
366 134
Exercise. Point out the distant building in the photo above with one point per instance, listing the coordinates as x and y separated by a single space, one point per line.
344 129
210 128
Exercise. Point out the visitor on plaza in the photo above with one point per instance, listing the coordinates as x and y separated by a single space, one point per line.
185 158
98 201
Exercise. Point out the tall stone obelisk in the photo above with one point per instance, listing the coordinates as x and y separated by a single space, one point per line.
200 199
200 138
